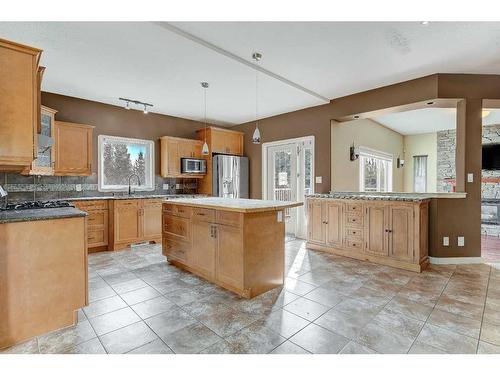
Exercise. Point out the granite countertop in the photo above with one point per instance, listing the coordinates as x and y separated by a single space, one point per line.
237 205
14 216
405 197
134 196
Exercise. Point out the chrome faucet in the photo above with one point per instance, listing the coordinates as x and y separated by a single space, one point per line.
138 182
3 194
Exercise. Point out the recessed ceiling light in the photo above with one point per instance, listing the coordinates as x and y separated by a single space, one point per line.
425 23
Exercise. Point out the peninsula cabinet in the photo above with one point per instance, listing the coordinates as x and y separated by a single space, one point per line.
172 149
394 233
20 78
133 221
73 149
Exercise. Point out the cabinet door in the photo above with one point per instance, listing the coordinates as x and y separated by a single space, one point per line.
202 255
151 218
401 232
218 141
375 225
229 267
234 144
170 159
333 213
127 221
73 144
316 226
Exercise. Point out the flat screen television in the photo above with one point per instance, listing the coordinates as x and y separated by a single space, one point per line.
491 156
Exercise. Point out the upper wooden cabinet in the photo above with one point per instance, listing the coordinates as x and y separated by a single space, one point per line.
20 79
172 150
73 149
222 141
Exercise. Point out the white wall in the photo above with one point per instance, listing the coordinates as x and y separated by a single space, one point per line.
367 133
416 145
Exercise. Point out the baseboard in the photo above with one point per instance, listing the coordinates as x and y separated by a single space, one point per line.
456 260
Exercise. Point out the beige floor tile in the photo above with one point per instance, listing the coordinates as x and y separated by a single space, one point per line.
422 348
139 295
129 286
283 322
154 347
170 321
66 338
372 296
298 287
101 293
93 346
353 306
487 348
347 325
255 339
469 310
190 339
104 306
409 308
326 297
152 307
316 339
447 341
492 314
306 308
490 333
355 348
455 323
27 347
127 338
289 347
103 324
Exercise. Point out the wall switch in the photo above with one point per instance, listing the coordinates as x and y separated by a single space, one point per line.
461 241
446 241
280 216
178 186
78 187
470 177
165 186
319 179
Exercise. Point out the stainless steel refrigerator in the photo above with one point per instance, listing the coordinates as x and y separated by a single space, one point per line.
230 176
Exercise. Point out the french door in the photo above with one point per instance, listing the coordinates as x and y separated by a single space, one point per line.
289 170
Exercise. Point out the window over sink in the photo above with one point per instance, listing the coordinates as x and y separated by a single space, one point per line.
121 159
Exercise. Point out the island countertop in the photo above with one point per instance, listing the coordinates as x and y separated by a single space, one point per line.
14 216
396 196
237 205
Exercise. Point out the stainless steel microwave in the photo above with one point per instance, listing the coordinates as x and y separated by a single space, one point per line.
193 166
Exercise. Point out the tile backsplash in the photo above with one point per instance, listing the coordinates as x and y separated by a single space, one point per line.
23 188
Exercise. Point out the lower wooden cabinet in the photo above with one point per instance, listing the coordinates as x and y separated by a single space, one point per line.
229 256
394 233
202 256
97 223
133 221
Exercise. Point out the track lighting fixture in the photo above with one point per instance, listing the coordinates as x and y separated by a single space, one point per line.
136 102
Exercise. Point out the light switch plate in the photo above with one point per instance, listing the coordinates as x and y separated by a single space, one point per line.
446 241
78 187
165 186
319 179
461 241
470 177
178 186
280 216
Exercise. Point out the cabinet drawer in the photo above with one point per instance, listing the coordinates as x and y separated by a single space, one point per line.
354 220
234 219
91 205
354 207
176 249
97 218
183 211
354 244
168 208
97 237
127 203
177 226
354 233
204 214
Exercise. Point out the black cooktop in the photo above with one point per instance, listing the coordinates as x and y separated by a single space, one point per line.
31 205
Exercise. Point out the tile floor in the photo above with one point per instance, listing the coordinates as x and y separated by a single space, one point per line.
329 304
490 248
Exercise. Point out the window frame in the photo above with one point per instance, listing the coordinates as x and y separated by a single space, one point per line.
150 148
365 152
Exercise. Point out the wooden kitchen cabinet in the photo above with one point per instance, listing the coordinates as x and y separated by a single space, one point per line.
393 233
20 104
73 149
229 255
133 221
97 223
220 141
172 149
204 247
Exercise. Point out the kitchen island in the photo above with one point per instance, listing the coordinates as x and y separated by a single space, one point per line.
237 244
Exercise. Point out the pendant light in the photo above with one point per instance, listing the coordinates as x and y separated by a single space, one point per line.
256 134
204 149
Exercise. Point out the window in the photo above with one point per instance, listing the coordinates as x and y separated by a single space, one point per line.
420 174
119 158
375 171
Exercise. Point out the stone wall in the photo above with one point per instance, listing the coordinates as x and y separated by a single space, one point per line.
23 188
446 143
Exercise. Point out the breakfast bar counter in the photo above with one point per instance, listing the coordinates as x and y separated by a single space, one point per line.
237 244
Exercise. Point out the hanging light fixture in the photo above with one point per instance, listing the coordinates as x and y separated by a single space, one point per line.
145 110
256 134
127 106
204 149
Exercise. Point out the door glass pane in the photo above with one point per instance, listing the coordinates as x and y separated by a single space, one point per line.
308 171
370 174
283 175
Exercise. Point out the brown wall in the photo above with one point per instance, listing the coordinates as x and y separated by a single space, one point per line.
311 121
117 121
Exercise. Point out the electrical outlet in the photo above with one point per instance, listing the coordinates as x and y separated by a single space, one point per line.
461 241
178 186
470 177
78 187
446 241
319 179
165 186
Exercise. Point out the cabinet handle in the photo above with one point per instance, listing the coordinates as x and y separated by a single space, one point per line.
215 232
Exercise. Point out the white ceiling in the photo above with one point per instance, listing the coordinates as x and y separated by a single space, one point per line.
148 62
429 120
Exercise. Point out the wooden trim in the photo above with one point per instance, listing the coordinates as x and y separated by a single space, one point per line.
220 129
